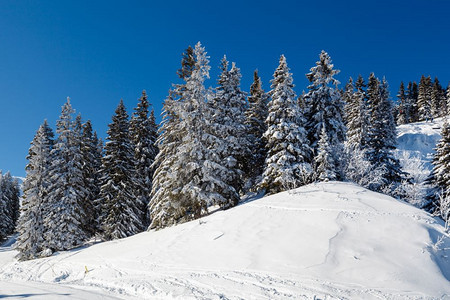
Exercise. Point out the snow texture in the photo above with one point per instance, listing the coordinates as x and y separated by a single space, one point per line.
326 240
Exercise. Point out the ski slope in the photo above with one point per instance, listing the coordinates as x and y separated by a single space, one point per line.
326 240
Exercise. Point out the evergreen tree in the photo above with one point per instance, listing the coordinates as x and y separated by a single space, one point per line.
382 136
440 175
165 184
143 137
438 101
119 217
324 107
403 117
9 204
91 175
65 222
424 99
356 115
228 134
256 115
324 162
412 94
287 163
30 241
448 99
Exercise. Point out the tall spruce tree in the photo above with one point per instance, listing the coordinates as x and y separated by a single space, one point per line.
424 99
143 133
120 217
440 178
382 136
324 165
228 134
438 101
91 175
64 224
30 241
9 204
402 117
448 99
288 160
165 184
324 107
356 115
256 115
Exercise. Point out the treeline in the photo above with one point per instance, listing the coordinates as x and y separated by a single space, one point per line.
213 146
422 102
9 204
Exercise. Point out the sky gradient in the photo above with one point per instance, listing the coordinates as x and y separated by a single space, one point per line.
98 52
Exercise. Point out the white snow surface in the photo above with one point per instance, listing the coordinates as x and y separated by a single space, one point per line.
420 139
327 240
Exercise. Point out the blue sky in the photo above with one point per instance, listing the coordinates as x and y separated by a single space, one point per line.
98 52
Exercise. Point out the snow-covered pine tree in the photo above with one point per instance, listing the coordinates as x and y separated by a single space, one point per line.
256 115
324 107
119 216
402 117
143 134
288 160
91 175
438 103
228 138
448 99
165 184
9 204
324 163
65 221
30 242
424 99
412 93
440 175
382 136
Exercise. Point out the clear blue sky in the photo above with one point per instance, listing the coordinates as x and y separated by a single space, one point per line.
98 52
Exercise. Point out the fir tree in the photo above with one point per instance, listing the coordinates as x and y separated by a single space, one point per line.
440 176
165 184
382 136
324 162
324 107
143 137
91 175
438 101
287 163
228 135
119 217
35 188
9 204
65 222
356 115
402 117
448 99
424 99
256 115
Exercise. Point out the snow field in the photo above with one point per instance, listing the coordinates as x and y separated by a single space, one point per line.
329 241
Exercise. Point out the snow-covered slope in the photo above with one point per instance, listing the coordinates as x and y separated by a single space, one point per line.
328 240
420 139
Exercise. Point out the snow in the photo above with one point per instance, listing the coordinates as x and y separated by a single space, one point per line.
329 240
420 139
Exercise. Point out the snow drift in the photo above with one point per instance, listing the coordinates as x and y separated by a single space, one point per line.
327 240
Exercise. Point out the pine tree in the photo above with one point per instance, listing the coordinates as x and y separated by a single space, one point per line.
287 163
382 136
448 99
440 175
119 217
438 103
9 204
325 165
402 117
91 175
412 94
256 115
356 115
324 107
30 242
424 99
64 224
228 134
143 133
165 184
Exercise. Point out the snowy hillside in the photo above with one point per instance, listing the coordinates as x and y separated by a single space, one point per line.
328 240
420 139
